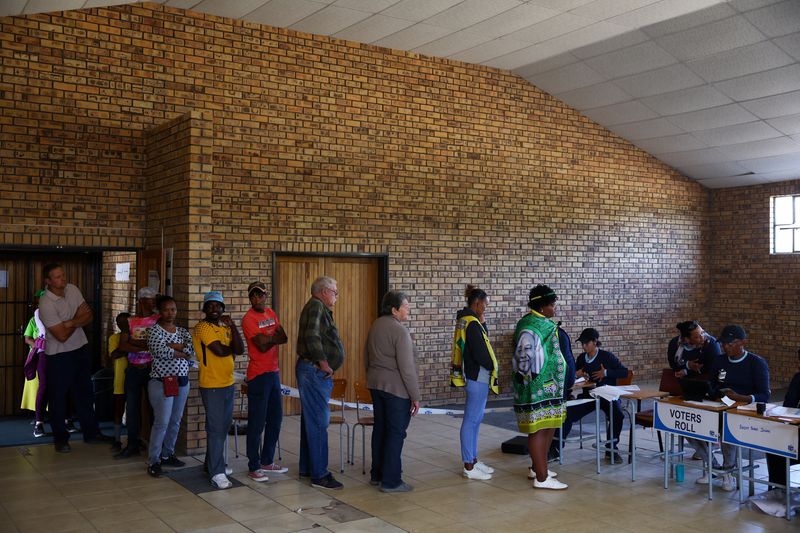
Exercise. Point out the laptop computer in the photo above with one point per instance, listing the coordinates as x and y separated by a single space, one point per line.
695 389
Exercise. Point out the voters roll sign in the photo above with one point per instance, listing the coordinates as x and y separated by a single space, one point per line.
687 421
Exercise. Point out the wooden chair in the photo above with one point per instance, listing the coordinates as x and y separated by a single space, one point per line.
626 380
338 393
363 397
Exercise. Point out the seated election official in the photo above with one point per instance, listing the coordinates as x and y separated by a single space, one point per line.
776 465
693 351
603 368
742 376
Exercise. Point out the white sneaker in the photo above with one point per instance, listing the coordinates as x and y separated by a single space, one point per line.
549 483
476 473
221 481
702 480
728 483
228 471
532 473
480 465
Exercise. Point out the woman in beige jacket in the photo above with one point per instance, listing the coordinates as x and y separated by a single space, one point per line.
392 380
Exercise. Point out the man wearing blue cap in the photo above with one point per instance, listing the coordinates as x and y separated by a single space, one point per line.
216 342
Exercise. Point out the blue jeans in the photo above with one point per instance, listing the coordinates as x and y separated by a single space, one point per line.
69 372
167 414
473 416
315 391
264 415
135 381
218 403
392 416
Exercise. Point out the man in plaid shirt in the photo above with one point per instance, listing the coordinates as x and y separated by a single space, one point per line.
319 354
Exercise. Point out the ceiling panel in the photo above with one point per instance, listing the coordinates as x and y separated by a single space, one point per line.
469 12
514 19
756 149
631 60
567 78
452 43
329 20
674 143
603 9
223 8
790 44
790 125
686 100
690 20
284 13
620 113
706 156
715 117
711 38
373 29
10 8
775 106
717 170
418 10
777 163
777 19
659 81
646 129
413 37
739 133
740 61
601 94
626 39
776 81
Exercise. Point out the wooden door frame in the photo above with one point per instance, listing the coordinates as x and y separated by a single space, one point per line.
383 270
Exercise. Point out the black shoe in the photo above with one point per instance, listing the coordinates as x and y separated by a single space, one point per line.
552 455
38 429
617 457
374 482
303 474
63 447
402 487
71 426
328 482
127 452
116 447
154 470
99 439
172 461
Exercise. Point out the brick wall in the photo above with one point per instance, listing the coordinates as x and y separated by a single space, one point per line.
118 296
751 287
460 173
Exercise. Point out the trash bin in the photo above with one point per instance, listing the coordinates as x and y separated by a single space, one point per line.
103 383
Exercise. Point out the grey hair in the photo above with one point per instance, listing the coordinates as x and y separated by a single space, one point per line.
321 283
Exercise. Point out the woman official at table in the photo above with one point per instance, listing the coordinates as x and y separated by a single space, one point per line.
392 380
538 381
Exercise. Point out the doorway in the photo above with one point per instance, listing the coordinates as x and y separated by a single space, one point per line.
20 277
362 281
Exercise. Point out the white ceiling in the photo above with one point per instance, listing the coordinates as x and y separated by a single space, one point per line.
710 87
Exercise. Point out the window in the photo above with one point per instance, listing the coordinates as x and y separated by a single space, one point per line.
785 218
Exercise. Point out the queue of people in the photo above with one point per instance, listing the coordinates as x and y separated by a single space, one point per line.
152 354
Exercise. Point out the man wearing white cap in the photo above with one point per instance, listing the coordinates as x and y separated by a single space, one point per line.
138 372
216 343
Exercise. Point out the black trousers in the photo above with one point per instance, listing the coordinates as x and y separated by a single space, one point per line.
70 373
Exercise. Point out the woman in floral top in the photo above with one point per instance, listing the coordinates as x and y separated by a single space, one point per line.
171 347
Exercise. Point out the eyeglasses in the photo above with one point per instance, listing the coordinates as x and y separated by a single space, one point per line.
334 291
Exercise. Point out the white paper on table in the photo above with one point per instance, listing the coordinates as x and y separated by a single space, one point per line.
749 407
705 403
579 380
608 392
629 388
786 412
727 401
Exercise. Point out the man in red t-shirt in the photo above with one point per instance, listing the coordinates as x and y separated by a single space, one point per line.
263 334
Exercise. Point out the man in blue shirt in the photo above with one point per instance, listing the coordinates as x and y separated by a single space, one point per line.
742 376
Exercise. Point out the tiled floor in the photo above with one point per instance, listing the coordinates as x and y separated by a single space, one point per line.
89 491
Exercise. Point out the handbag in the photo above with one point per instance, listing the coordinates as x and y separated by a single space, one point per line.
170 386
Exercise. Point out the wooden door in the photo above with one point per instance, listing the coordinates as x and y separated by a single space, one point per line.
150 269
358 280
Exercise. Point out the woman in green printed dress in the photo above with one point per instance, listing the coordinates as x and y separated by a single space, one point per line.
538 381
